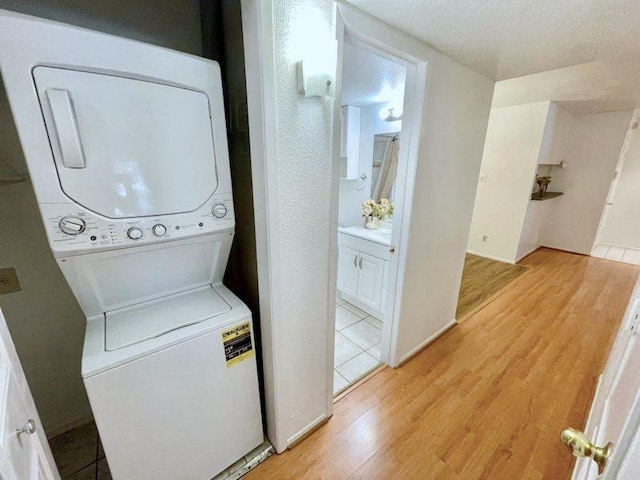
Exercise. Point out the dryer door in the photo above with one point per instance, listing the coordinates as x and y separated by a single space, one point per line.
125 147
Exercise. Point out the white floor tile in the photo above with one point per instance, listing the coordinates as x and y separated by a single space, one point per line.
376 351
615 254
356 310
339 383
363 334
344 318
357 367
375 322
600 251
345 350
631 256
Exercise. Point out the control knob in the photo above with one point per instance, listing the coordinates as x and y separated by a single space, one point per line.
134 233
72 225
219 210
159 230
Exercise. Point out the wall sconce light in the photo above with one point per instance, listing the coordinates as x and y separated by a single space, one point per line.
313 82
390 114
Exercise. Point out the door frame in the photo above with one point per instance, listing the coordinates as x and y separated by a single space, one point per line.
635 117
366 32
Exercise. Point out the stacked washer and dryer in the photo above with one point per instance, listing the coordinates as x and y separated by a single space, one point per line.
126 147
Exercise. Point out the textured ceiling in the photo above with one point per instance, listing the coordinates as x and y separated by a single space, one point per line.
511 38
368 79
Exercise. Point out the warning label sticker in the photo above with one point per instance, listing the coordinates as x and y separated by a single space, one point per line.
237 344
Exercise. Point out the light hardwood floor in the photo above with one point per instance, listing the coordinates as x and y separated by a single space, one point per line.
481 280
489 398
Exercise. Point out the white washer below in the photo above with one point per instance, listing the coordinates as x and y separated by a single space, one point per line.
151 369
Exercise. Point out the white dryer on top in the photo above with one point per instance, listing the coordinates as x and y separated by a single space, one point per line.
126 147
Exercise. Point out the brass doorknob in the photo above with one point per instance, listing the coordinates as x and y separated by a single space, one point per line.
580 446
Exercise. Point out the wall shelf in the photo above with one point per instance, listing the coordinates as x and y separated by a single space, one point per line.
545 196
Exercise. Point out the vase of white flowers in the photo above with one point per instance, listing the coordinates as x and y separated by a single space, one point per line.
373 212
386 210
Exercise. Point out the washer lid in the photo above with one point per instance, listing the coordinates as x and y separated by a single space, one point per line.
127 147
136 324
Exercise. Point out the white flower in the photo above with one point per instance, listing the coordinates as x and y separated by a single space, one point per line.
370 209
386 207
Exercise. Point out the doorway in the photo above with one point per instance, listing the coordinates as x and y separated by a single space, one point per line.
372 104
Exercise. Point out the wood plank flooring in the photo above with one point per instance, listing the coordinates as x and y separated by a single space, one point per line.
489 398
482 278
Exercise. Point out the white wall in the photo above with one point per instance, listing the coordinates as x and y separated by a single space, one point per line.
594 146
532 228
456 114
621 226
44 319
291 154
304 212
350 198
510 159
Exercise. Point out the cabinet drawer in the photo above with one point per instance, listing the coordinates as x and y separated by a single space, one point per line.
371 248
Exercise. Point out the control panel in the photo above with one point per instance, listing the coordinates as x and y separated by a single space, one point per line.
74 230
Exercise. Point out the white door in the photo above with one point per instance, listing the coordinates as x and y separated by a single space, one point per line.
614 415
24 450
348 270
370 281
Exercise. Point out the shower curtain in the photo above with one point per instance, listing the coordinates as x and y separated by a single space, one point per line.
388 171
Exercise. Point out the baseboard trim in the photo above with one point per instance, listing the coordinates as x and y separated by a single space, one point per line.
295 440
528 253
491 257
365 308
54 432
428 341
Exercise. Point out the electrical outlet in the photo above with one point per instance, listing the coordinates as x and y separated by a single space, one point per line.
9 281
485 238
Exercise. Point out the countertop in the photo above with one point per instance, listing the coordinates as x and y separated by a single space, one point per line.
379 235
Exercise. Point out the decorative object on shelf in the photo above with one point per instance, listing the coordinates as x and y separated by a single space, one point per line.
374 212
543 183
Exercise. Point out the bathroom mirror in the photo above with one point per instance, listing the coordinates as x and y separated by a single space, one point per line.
385 164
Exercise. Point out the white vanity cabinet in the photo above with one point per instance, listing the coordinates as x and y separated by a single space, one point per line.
362 273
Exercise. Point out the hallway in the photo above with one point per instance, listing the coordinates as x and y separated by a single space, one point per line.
488 399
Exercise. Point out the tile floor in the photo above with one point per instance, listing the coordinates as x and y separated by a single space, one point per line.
79 456
357 347
617 254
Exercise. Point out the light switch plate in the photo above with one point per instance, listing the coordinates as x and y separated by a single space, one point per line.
9 281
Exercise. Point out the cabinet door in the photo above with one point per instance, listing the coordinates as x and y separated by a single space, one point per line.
370 281
347 270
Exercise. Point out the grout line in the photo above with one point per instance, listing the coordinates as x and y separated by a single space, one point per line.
97 450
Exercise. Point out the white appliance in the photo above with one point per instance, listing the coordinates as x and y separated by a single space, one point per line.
126 147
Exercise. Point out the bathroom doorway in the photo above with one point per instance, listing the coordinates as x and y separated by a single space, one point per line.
372 104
